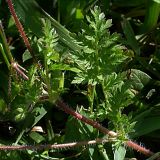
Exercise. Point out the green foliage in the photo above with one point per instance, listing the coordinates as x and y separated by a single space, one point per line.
115 87
120 153
31 14
100 62
101 54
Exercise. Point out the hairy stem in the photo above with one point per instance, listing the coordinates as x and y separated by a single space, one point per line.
95 124
55 146
20 27
139 148
68 110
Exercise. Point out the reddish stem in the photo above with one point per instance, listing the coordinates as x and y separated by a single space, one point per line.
19 70
68 110
139 148
19 26
63 106
54 146
95 124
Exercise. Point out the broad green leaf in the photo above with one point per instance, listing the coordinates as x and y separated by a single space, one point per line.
42 156
76 130
146 125
15 155
139 79
120 153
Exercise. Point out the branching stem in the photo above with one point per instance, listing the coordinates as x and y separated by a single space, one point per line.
104 130
20 70
65 108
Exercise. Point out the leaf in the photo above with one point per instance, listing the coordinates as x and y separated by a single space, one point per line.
64 67
129 33
157 1
77 131
79 14
41 113
26 56
139 79
36 137
3 105
146 125
151 16
15 155
102 54
120 153
30 13
103 152
91 153
30 121
146 122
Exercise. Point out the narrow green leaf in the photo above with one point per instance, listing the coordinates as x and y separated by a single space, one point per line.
130 36
4 56
50 133
36 137
64 67
31 14
151 16
3 105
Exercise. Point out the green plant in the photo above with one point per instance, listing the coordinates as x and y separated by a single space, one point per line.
98 60
101 62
